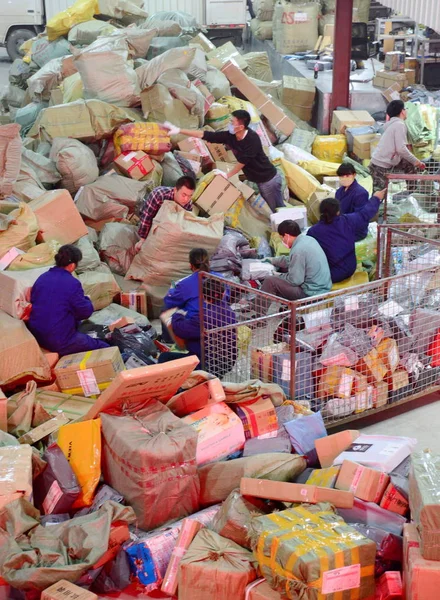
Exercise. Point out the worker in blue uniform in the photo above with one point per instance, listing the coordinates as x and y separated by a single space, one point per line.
352 196
336 234
59 305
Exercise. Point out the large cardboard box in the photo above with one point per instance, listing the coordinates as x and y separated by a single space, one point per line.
365 483
260 100
88 373
64 590
218 197
58 218
135 165
299 95
421 576
294 492
344 119
385 79
364 145
16 470
330 446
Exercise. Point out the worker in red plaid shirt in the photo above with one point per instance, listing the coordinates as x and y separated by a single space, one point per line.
181 193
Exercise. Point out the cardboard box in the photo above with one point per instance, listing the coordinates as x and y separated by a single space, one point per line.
294 492
365 483
389 586
58 218
330 446
220 154
372 367
218 197
364 145
88 373
343 119
135 165
394 501
421 576
262 361
198 147
73 407
381 452
136 301
341 382
64 590
197 397
385 79
220 430
44 429
258 417
122 322
380 394
224 54
394 61
194 160
298 95
16 470
397 380
389 354
202 41
392 93
258 98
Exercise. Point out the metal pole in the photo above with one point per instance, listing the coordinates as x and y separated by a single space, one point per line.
292 332
342 54
202 317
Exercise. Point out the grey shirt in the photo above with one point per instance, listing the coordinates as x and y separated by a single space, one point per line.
393 145
307 266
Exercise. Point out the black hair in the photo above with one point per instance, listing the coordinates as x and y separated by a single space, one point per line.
243 117
67 255
199 259
187 182
346 169
289 227
395 107
213 290
329 209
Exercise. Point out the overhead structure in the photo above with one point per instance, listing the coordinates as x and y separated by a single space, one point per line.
426 12
342 54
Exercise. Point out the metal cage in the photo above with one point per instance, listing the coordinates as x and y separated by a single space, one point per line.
412 199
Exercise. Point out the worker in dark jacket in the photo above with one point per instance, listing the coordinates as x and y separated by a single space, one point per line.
221 348
351 195
336 234
59 305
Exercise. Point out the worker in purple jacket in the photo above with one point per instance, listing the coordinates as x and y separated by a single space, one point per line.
352 196
336 234
59 305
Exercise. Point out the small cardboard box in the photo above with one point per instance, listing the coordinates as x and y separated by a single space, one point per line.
372 367
43 430
262 361
58 218
389 354
364 145
218 197
260 100
344 119
122 322
64 590
135 165
258 417
380 394
136 301
298 95
202 41
394 61
397 380
88 373
365 483
220 154
394 501
392 93
294 492
331 446
198 147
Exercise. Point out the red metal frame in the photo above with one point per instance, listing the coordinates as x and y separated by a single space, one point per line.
342 54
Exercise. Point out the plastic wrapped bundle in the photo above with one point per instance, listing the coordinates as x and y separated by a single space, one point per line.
148 137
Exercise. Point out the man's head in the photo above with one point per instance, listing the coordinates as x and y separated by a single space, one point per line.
289 231
329 210
347 174
184 190
240 120
68 257
396 108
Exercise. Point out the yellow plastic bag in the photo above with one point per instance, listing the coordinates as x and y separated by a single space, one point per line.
62 23
39 256
300 183
234 103
202 184
319 168
73 88
330 147
366 182
81 445
277 244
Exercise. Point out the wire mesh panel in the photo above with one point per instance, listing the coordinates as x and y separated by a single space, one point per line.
407 247
348 354
412 199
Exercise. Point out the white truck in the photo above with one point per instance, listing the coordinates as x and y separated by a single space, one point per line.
21 20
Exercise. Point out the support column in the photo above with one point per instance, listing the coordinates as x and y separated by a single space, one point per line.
342 53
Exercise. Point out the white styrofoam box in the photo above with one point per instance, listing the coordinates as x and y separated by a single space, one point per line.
296 213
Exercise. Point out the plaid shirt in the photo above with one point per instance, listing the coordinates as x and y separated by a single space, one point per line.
152 205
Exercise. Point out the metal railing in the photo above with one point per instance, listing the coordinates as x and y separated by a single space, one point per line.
412 199
349 353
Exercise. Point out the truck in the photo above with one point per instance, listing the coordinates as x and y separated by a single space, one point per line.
21 20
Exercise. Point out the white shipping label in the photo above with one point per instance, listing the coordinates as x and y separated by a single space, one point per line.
88 382
129 156
338 580
52 498
285 374
301 17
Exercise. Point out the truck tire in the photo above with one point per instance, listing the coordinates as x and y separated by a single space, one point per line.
15 39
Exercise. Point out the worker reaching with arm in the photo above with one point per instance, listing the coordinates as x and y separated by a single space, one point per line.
392 154
248 150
